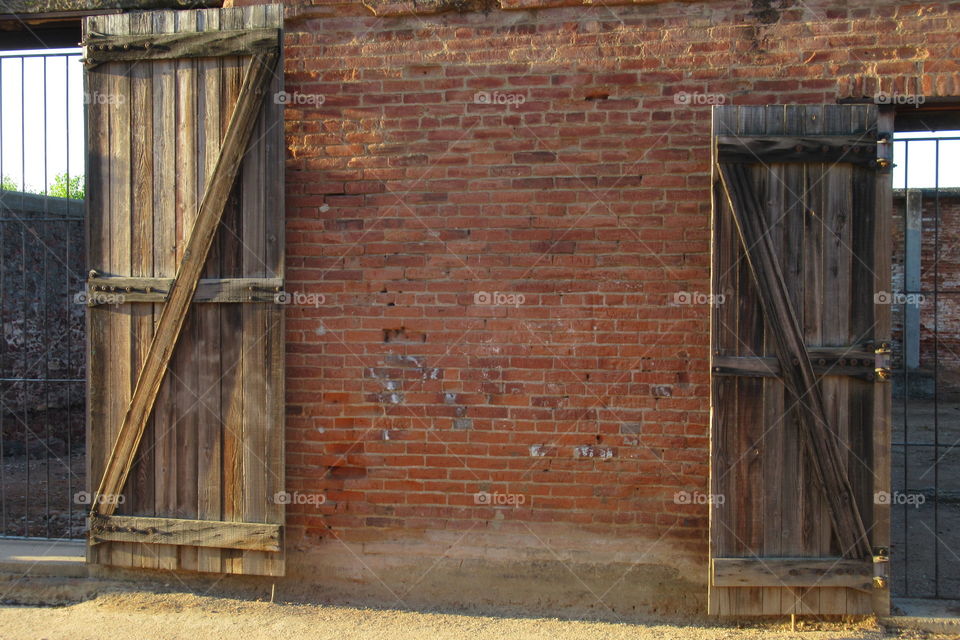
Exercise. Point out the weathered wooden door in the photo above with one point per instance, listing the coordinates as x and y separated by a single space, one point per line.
800 406
185 234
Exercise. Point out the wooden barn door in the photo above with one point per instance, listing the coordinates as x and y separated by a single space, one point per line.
185 234
800 406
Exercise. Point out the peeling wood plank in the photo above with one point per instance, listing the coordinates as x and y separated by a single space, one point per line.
792 572
21 8
858 149
120 290
182 532
176 46
768 366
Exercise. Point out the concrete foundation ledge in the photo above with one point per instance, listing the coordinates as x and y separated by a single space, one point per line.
40 558
925 616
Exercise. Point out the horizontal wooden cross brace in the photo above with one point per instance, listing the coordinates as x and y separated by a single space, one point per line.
116 289
792 572
859 150
170 46
195 533
856 362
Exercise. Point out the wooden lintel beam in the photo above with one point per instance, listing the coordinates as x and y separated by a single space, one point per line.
195 533
821 443
792 572
859 150
120 290
256 79
171 46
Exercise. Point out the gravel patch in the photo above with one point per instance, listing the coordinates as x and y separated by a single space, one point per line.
119 616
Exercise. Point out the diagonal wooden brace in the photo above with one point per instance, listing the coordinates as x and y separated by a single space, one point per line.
256 79
822 445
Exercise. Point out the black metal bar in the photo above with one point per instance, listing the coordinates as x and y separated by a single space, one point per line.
67 300
906 375
3 333
42 380
944 139
23 292
936 367
37 55
43 302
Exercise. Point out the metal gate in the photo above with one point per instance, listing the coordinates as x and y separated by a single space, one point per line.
42 392
926 408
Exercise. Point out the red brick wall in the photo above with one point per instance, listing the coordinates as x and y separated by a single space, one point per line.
582 185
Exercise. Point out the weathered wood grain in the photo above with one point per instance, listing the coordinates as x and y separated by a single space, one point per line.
820 239
792 572
104 290
882 394
849 149
213 43
195 441
186 532
795 362
188 273
207 350
141 225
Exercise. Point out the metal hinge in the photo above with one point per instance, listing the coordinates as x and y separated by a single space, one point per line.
882 361
881 560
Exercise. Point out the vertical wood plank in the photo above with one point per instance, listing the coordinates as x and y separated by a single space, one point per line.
141 80
774 423
184 364
274 154
209 477
724 273
231 321
750 332
165 265
836 269
98 258
882 393
793 493
255 467
816 517
120 379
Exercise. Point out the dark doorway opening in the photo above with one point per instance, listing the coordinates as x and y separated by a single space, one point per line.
42 333
926 386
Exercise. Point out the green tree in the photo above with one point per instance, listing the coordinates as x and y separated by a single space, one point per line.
63 187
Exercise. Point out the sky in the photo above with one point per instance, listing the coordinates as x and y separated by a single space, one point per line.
41 117
41 127
914 160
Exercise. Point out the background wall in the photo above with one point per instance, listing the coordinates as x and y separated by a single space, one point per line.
498 391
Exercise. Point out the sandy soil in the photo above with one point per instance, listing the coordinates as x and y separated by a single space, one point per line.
173 616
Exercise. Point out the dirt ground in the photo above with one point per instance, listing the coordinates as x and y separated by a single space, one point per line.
39 496
175 616
42 470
